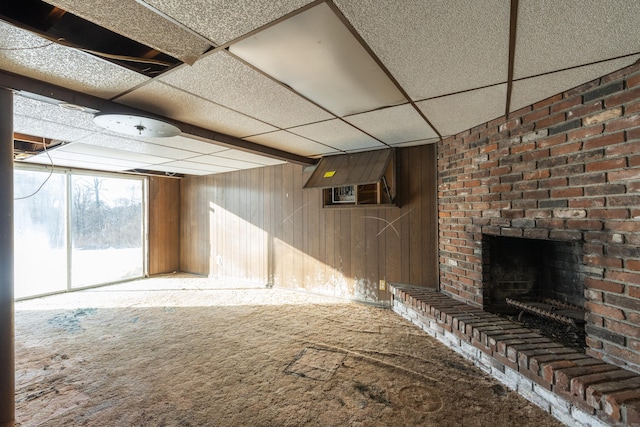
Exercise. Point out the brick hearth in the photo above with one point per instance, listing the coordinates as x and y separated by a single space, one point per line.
567 169
576 388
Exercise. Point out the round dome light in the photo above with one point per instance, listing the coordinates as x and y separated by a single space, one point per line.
130 124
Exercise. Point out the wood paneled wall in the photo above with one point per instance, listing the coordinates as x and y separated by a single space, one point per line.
164 225
259 226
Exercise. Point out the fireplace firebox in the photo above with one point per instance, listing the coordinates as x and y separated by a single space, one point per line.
531 270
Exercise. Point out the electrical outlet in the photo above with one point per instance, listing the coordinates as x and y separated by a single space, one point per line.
383 285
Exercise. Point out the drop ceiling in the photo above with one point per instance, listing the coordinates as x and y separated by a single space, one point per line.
260 83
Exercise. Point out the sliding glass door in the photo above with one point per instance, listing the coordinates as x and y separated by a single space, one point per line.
77 230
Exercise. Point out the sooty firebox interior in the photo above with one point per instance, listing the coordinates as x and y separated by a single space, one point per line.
530 269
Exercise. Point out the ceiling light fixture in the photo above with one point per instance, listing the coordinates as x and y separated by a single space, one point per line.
134 125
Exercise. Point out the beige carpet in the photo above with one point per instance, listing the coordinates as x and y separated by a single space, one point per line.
186 351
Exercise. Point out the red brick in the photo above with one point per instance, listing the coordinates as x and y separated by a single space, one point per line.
566 148
549 367
629 331
634 161
550 121
622 226
633 134
622 98
489 148
580 384
623 277
603 285
567 192
584 224
533 155
609 213
624 175
633 81
623 123
606 165
585 109
604 310
584 132
603 262
502 170
553 182
566 104
632 264
628 200
535 115
586 203
517 149
551 141
563 376
632 108
595 392
605 140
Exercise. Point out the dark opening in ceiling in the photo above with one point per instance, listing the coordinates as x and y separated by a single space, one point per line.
25 146
65 28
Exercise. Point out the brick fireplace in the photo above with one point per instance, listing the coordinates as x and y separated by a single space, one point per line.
564 170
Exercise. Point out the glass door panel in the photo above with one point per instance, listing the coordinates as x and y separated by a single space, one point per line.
107 218
40 237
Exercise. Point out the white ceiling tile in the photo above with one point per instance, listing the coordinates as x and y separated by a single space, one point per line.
135 145
316 55
46 129
337 134
62 154
226 81
434 48
223 161
137 22
553 35
393 125
455 113
249 157
68 163
529 91
162 99
108 147
171 170
287 141
183 166
184 142
24 53
52 112
226 20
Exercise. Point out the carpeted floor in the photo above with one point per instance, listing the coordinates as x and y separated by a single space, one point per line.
187 351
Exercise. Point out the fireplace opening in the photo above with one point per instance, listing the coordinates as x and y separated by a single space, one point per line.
538 282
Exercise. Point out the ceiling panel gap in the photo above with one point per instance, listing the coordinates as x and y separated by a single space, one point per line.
70 30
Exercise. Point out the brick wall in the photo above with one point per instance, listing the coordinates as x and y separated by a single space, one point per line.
566 168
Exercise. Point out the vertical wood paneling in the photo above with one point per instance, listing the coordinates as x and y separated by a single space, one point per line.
269 230
404 219
164 225
416 259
